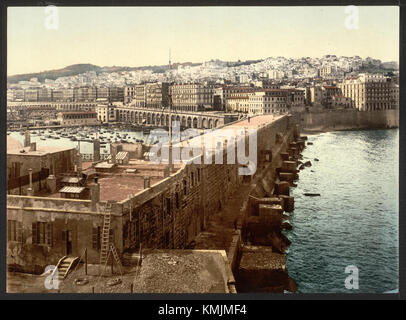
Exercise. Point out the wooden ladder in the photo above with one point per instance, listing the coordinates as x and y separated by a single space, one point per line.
105 238
116 257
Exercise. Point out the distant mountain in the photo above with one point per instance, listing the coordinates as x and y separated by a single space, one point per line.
54 74
76 69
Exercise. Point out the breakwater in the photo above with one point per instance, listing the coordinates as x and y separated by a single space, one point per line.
337 120
262 263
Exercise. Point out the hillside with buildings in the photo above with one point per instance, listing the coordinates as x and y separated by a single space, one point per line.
205 95
218 71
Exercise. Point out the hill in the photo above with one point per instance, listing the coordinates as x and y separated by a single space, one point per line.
76 69
54 74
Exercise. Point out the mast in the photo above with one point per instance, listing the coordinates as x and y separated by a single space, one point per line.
170 164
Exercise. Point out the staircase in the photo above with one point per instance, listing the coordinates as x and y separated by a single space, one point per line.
65 265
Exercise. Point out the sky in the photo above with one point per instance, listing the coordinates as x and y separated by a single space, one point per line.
138 36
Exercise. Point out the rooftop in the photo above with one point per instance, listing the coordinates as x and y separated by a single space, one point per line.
119 187
161 271
72 189
41 150
13 144
71 180
183 271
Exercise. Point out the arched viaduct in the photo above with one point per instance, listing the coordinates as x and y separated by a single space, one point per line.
198 120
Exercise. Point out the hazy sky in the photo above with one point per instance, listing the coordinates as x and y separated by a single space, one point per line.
136 36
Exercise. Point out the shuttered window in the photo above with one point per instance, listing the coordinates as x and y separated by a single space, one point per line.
34 233
42 233
14 230
97 235
96 238
49 234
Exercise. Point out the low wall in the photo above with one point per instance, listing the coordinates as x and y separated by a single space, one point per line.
349 120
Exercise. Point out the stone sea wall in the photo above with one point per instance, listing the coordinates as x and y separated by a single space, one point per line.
349 120
174 211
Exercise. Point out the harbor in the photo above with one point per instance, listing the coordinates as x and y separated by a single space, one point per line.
83 137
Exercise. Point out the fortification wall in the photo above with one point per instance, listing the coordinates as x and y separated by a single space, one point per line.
171 213
349 120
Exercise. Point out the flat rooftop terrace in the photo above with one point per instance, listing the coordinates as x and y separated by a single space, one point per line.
182 271
161 271
229 130
255 121
120 187
13 144
42 150
119 184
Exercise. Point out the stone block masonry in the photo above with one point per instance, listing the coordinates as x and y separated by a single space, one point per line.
168 214
349 120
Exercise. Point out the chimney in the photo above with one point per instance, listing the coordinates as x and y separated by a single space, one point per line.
113 152
27 140
79 163
166 172
33 146
95 192
147 182
96 150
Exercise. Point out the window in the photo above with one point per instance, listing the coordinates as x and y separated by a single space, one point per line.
97 237
42 233
15 170
14 230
